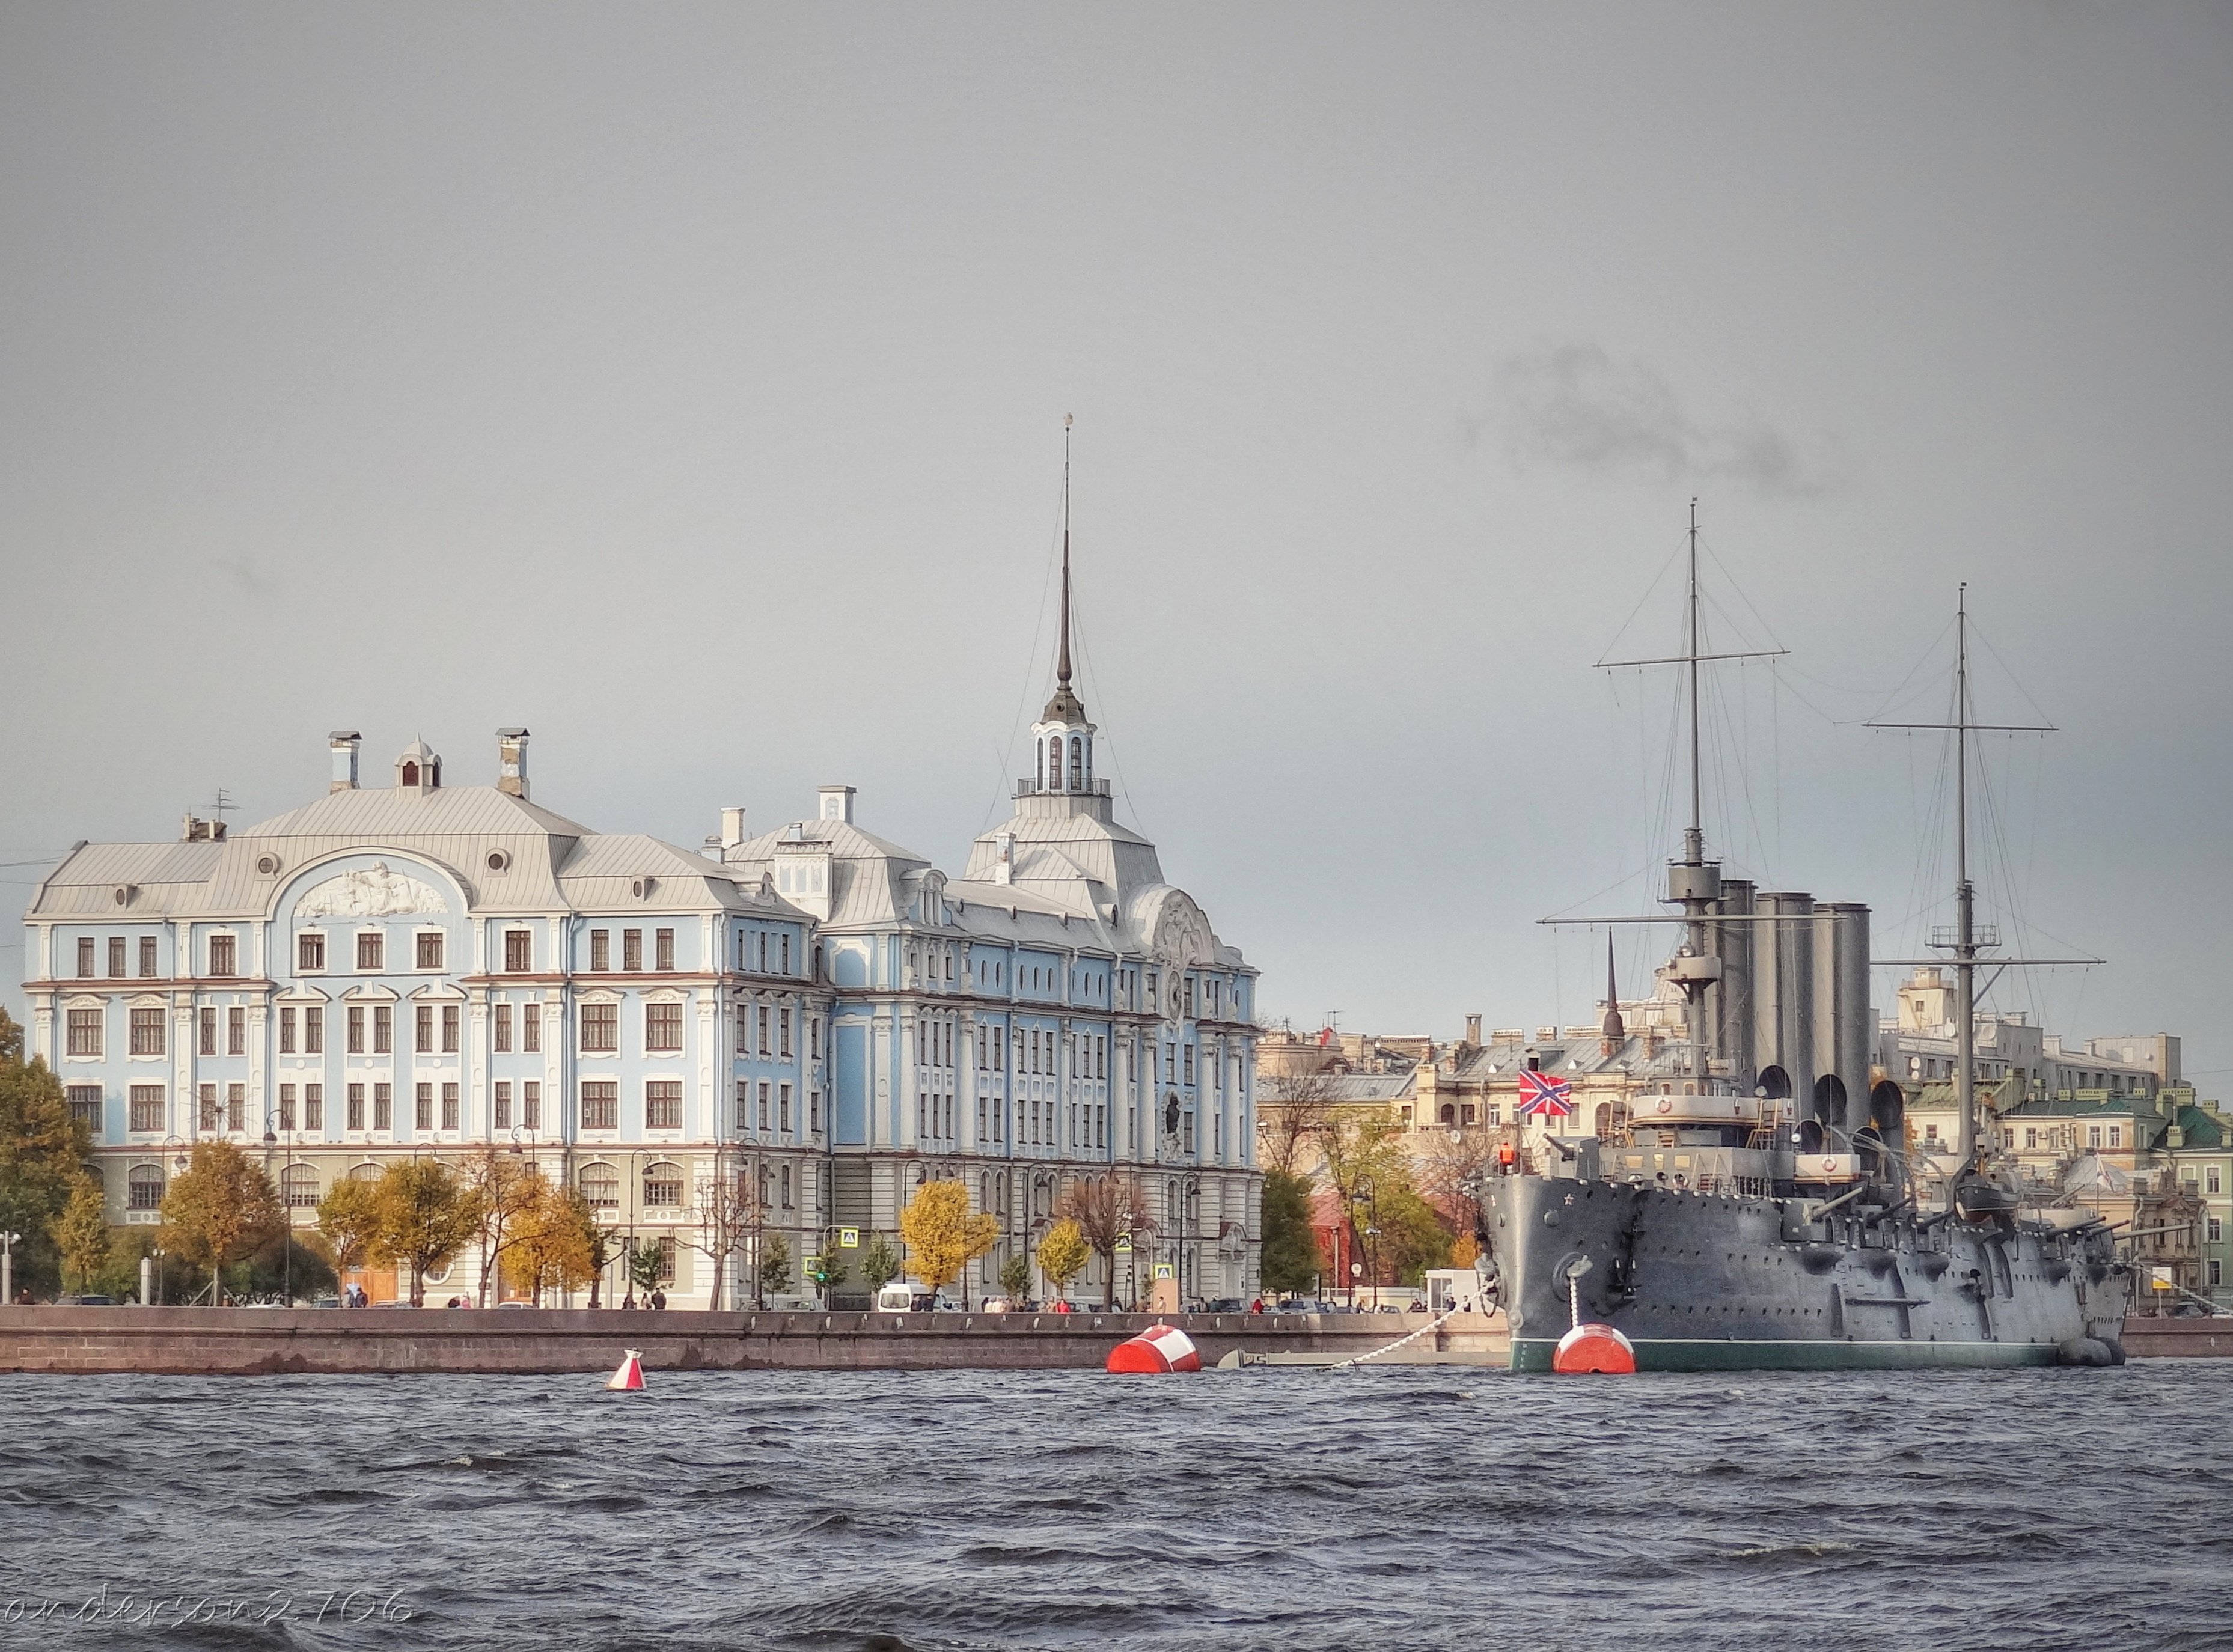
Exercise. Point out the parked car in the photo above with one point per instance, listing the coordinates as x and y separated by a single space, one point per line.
85 1302
1229 1305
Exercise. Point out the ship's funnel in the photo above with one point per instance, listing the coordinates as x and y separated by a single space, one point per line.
1830 1099
1888 1110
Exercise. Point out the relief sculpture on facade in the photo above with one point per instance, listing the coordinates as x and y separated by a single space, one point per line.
376 893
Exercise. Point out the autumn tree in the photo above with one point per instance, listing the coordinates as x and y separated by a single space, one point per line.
558 1244
348 1217
425 1217
220 1208
81 1231
1062 1252
44 1152
1291 1262
944 1237
1109 1210
1448 1166
729 1217
501 1187
1293 1111
880 1263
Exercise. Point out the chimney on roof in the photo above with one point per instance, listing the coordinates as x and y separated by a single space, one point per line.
838 803
732 829
1473 1030
511 762
344 743
1004 868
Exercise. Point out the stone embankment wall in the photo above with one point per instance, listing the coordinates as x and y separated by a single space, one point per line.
255 1342
2146 1337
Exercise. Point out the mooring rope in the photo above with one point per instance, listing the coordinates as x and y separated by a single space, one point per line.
1360 1358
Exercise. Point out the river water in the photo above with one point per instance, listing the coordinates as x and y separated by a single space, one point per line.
1413 1508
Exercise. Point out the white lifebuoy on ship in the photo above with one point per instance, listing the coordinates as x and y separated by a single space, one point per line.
1829 1167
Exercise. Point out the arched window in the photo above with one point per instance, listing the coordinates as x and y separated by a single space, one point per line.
364 1172
662 1185
1078 763
601 1185
1448 1113
410 774
1605 1120
1038 765
143 1188
298 1186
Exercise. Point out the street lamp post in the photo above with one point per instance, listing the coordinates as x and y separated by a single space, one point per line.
1370 1192
7 1268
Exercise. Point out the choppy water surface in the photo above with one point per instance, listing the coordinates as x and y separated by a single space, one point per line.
1400 1509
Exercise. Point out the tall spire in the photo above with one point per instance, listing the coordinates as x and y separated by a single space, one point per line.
1612 1029
1065 707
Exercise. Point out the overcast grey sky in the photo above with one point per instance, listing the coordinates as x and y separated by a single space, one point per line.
686 384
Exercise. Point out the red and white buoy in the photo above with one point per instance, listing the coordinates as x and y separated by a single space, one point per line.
1593 1350
1154 1351
630 1375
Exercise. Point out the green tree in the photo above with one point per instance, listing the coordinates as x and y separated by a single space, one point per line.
425 1217
1291 1261
827 1270
880 1264
1062 1254
44 1152
775 1265
1015 1277
81 1232
12 1038
943 1236
1413 1236
348 1220
219 1210
644 1265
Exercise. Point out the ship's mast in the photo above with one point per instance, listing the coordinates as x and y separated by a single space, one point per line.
1965 904
1692 889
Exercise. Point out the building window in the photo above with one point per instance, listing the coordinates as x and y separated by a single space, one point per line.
601 1029
744 1105
2217 1230
84 1032
207 1113
665 1244
314 1029
662 1026
601 1104
2092 1135
787 952
430 949
148 1032
147 955
531 1027
223 955
236 1107
662 1104
449 1107
146 1103
450 1029
236 1030
85 1106
601 1185
502 1030
2213 1179
764 1090
631 949
2031 1136
383 1107
422 1107
531 1104
383 1029
763 1045
286 1030
814 1112
601 949
662 1185
662 956
371 949
518 951
314 1108
286 1107
2216 1271
356 1029
309 955
422 1042
782 1027
500 1105
143 1188
783 1107
355 1107
116 956
85 958
298 1188
2116 1135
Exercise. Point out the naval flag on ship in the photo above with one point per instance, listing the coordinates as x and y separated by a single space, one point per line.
1543 1096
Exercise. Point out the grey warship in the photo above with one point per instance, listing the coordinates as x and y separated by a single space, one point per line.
1736 1224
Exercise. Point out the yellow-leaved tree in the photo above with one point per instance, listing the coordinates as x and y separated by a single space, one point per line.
1062 1254
347 1217
219 1210
426 1216
556 1244
943 1238
81 1231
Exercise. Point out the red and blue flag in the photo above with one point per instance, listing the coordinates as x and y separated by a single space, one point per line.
1543 1096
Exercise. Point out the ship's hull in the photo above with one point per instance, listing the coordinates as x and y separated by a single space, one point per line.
1706 1282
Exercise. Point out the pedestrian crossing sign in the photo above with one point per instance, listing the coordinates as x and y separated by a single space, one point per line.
849 1239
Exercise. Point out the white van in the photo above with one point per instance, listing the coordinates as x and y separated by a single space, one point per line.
906 1297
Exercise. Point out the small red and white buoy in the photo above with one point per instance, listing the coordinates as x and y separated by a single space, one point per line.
1593 1350
1154 1351
630 1375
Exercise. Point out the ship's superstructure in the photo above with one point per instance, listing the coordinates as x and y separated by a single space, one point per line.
1766 1214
